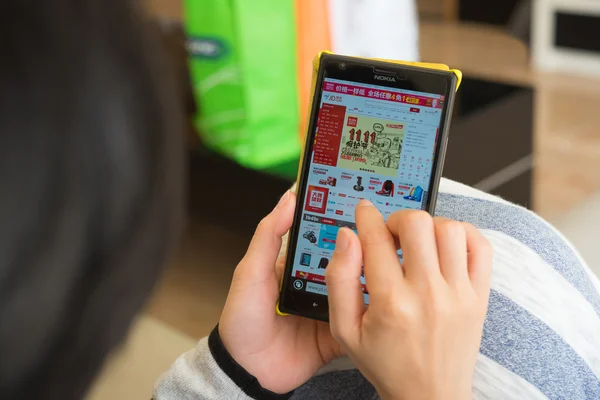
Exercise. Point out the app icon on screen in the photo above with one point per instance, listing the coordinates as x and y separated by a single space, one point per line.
316 199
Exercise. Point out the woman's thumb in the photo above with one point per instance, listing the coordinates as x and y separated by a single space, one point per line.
266 242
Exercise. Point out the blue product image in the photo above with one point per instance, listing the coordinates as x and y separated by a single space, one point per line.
305 259
415 195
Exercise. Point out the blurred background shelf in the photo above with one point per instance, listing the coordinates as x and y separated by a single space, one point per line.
566 138
561 125
438 10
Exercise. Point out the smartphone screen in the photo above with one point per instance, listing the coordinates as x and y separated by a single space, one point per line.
371 141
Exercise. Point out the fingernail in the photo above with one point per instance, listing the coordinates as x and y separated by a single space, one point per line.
341 242
365 203
283 199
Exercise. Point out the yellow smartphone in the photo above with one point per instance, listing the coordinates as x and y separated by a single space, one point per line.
377 130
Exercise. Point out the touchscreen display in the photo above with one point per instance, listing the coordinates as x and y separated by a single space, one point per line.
372 142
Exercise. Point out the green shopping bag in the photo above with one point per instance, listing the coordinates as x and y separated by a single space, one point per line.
243 67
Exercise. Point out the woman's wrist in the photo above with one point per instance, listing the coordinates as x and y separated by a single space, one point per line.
242 378
429 393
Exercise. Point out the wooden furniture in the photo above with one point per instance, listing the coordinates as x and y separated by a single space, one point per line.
566 139
565 36
438 10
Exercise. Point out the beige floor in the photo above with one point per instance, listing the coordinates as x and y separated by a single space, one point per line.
150 350
189 299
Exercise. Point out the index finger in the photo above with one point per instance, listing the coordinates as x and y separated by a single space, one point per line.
480 256
416 233
383 272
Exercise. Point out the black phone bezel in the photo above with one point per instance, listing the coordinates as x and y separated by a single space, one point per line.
362 71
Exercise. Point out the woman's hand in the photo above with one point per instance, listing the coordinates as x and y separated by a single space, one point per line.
281 352
420 335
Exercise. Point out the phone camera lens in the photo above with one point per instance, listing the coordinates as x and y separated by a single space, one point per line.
342 65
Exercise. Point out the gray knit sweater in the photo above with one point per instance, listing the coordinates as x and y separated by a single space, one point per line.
541 336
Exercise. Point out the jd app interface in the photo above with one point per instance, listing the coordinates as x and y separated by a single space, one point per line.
374 143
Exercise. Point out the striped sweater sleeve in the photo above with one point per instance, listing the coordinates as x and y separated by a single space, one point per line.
208 372
542 331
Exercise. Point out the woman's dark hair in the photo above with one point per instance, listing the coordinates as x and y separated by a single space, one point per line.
91 181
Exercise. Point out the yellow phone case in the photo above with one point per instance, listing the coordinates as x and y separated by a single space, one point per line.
313 87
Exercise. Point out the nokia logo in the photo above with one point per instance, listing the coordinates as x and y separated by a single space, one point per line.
385 78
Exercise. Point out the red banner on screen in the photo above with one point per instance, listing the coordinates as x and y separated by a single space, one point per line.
383 95
310 277
329 134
